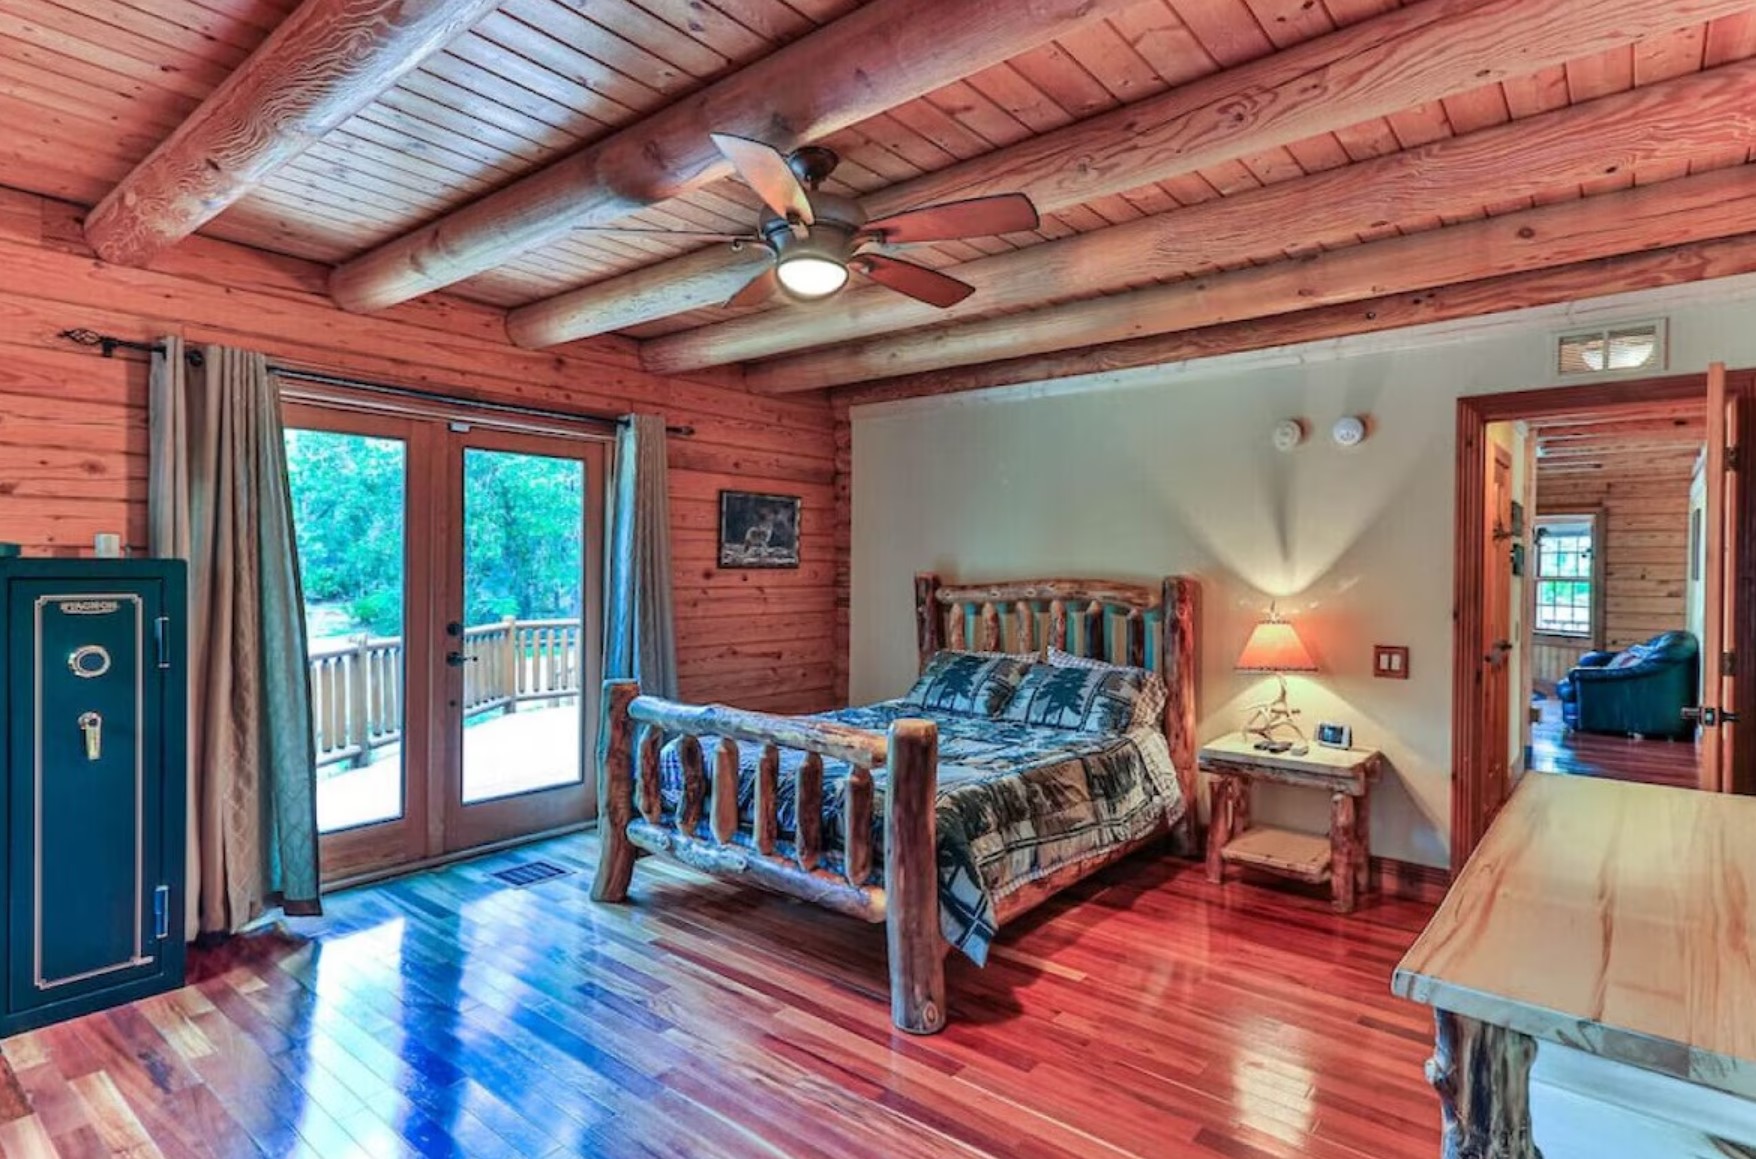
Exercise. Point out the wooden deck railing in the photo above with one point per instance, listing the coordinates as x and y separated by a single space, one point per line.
357 684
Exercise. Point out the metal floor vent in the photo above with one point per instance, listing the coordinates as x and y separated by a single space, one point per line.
530 873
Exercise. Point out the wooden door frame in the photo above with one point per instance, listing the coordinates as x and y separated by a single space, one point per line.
1469 809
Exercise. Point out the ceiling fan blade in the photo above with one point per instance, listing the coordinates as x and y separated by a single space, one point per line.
658 231
977 217
918 282
766 171
756 291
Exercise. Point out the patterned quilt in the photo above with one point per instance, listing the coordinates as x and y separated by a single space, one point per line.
1016 802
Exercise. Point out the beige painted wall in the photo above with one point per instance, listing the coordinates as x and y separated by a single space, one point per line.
1141 475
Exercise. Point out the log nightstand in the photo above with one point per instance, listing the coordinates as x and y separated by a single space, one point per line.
1342 859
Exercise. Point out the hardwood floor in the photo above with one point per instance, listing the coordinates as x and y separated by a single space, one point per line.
1143 1013
1553 749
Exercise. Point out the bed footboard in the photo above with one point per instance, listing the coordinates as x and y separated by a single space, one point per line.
632 818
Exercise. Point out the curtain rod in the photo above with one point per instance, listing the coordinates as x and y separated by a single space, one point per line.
109 344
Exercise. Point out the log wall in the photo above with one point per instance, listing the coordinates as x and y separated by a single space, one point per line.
1645 544
73 437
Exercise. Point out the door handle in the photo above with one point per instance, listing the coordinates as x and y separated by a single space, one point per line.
92 725
1706 717
458 659
1497 651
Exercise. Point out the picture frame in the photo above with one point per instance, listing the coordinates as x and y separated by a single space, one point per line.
758 530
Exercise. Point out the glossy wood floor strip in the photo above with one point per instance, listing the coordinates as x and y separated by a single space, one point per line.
1556 749
1143 1013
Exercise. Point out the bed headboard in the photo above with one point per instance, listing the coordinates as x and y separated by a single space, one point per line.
1144 625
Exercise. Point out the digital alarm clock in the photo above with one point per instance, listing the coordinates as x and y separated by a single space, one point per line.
1335 736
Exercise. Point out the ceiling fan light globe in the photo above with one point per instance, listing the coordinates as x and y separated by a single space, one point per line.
811 276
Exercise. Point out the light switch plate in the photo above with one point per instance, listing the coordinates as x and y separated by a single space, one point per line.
1390 661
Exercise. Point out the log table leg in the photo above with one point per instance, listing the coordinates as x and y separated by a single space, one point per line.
1482 1074
1344 851
1219 828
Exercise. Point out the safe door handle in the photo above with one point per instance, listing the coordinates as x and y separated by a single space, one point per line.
92 725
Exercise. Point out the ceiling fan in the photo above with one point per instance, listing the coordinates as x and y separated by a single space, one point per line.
818 238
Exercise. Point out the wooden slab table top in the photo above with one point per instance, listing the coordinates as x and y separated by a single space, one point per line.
1612 918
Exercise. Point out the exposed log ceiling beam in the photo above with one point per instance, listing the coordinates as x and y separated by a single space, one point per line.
1715 204
1396 61
1646 270
875 58
1699 115
323 63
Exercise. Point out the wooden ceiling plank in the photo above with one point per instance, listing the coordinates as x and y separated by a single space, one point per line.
501 82
708 25
1421 125
35 77
539 62
1107 56
1729 38
467 108
1542 91
1451 177
1477 109
985 116
1651 269
78 37
1600 74
584 52
1714 205
437 106
263 15
1172 51
691 55
321 65
873 59
1227 29
1357 73
1670 54
1064 80
185 28
1019 107
1290 22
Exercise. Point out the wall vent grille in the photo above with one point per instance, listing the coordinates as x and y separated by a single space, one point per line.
1628 348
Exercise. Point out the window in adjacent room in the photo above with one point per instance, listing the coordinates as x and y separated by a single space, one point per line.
1566 592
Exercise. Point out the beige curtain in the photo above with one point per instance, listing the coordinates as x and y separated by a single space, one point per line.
640 638
218 498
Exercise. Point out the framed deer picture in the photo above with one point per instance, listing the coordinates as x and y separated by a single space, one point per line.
758 530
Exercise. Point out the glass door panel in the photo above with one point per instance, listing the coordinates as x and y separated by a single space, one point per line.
348 493
524 578
523 600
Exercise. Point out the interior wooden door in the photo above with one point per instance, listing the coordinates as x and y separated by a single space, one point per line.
1717 712
1497 629
518 619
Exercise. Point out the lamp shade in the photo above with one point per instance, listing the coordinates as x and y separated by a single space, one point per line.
1274 647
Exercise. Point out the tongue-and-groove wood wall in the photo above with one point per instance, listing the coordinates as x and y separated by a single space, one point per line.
73 435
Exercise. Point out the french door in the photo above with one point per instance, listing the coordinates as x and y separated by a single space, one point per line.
452 574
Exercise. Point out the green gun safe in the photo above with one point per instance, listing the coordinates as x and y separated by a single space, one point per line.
94 812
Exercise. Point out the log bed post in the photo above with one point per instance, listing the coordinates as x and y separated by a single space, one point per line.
929 617
911 878
1177 664
615 793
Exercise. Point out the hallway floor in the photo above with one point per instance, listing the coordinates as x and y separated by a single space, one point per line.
1554 749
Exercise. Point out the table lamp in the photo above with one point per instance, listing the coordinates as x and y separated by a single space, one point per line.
1274 647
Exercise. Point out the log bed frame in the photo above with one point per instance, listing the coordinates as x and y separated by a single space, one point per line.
1114 622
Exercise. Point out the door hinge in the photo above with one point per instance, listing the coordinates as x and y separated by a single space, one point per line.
1734 458
161 912
161 633
1728 663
